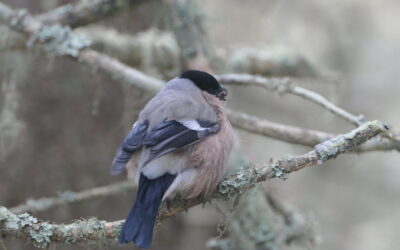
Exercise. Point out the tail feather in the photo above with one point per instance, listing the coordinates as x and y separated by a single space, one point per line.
139 224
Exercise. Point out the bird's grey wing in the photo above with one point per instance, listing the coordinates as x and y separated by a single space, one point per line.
171 135
133 141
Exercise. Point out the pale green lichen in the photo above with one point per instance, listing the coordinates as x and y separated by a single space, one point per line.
90 232
40 234
83 230
117 229
287 157
18 18
278 172
9 220
329 149
25 219
65 9
221 244
262 234
238 183
59 40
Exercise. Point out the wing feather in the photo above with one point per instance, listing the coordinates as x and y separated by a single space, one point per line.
172 135
131 144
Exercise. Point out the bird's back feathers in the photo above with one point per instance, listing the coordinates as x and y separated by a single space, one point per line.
180 99
176 117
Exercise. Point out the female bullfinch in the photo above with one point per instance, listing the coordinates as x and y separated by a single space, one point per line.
179 145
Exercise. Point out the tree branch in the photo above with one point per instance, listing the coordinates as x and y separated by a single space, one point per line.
290 134
86 12
185 19
70 197
153 51
301 136
42 233
284 85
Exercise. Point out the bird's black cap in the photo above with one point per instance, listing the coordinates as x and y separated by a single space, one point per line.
206 82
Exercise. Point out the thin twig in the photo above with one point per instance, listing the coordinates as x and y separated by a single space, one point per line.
284 85
301 136
69 197
290 134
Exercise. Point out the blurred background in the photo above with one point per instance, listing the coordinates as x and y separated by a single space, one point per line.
60 123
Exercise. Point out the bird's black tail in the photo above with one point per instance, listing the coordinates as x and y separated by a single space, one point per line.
139 224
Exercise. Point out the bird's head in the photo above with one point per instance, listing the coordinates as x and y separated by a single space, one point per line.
206 82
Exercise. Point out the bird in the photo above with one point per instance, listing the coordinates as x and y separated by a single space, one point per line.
180 145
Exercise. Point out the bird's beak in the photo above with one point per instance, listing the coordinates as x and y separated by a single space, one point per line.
222 93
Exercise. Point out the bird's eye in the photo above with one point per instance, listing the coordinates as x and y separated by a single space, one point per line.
222 93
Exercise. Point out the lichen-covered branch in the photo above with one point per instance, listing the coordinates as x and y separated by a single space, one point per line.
284 85
42 233
69 197
120 71
266 62
153 51
274 62
57 40
301 136
86 12
186 21
72 15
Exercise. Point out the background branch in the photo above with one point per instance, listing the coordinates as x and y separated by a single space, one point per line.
284 85
69 197
300 136
238 59
86 12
